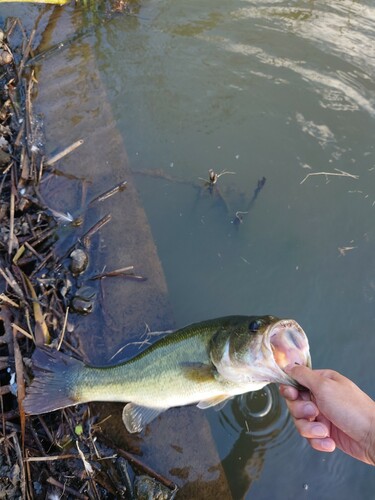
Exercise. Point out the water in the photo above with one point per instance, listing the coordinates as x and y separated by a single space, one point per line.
274 90
278 90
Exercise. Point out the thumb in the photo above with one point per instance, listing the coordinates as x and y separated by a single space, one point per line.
303 375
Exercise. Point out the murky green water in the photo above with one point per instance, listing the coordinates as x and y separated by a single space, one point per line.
271 89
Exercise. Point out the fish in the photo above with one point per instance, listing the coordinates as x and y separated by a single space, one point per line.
205 364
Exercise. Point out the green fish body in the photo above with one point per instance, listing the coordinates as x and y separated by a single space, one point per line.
205 363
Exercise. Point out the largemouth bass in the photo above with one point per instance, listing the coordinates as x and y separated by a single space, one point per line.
205 363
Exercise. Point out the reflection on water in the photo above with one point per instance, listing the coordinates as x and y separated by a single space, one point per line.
256 422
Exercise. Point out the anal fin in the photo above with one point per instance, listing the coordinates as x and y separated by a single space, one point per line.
136 417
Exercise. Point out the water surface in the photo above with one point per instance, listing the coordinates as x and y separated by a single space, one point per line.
264 89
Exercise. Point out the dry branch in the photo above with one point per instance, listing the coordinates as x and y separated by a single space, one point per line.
338 173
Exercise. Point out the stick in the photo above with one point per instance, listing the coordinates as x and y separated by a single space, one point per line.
86 238
51 458
11 219
126 272
6 299
9 278
67 489
46 430
26 53
340 173
107 194
53 159
21 330
141 466
21 389
63 329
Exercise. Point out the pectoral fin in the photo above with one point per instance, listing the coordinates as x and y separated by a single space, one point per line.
218 401
136 417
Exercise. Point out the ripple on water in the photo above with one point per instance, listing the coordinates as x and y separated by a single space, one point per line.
261 415
264 416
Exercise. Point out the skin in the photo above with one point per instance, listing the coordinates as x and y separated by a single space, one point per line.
335 413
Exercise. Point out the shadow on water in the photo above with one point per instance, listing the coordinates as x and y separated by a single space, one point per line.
268 90
256 422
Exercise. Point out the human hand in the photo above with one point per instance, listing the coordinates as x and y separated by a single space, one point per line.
335 413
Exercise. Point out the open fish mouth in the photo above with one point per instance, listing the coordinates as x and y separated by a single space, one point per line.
289 345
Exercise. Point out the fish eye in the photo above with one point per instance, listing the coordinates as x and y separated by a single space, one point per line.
255 325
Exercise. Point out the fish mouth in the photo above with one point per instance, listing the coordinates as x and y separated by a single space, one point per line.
290 346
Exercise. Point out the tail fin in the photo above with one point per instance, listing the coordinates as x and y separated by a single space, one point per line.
53 385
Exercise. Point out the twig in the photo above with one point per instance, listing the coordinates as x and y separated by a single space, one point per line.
9 301
126 272
44 235
26 53
67 489
63 329
20 385
141 466
43 263
51 458
53 159
28 114
21 330
338 173
11 218
343 250
213 177
90 233
33 251
46 429
9 278
107 194
37 440
20 461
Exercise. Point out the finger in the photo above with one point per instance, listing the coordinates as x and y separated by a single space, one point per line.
325 444
311 430
303 409
305 376
288 392
291 393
